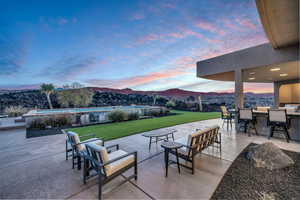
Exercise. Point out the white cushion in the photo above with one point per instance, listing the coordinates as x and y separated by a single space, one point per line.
75 136
101 149
96 141
246 114
120 164
277 116
81 147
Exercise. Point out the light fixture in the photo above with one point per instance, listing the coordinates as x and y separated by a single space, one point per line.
283 74
274 69
251 78
252 73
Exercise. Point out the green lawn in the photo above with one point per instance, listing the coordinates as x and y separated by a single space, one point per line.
121 129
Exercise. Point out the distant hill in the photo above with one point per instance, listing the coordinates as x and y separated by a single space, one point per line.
174 92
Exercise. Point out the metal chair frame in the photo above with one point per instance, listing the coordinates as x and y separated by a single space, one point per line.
93 161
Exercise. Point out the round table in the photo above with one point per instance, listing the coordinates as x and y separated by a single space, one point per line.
169 146
159 136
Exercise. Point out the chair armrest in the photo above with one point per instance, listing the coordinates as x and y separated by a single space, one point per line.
84 142
134 153
112 146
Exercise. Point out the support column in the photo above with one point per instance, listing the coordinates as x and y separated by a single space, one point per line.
239 89
276 86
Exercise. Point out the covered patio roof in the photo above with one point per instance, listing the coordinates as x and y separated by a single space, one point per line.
257 64
280 20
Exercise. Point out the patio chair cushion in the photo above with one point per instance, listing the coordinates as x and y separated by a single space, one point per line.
100 149
277 116
75 136
120 164
81 147
246 114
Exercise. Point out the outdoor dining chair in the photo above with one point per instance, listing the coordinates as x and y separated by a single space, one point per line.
278 122
226 116
78 147
246 117
108 164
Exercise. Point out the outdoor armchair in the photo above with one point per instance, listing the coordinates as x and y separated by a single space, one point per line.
78 147
108 164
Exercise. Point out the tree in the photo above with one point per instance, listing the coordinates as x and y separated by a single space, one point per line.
48 89
76 85
75 97
170 104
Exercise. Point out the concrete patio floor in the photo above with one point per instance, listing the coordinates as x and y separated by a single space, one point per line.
36 168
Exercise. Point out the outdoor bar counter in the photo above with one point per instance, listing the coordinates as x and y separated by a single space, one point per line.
263 129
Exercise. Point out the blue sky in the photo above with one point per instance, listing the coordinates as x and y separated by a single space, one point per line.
138 44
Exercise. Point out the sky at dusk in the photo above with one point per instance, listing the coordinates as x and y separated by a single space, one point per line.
138 44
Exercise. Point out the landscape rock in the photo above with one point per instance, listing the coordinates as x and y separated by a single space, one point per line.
269 156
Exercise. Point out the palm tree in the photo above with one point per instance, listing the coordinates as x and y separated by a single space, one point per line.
48 89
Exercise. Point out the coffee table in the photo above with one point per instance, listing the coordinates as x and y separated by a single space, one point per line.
169 146
159 136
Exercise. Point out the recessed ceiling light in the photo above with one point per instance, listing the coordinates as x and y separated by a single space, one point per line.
251 78
283 74
275 69
252 73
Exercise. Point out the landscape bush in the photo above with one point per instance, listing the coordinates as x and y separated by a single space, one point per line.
170 104
15 111
162 111
51 122
133 116
37 124
117 116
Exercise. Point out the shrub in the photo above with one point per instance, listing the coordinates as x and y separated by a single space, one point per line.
164 111
133 116
37 124
155 113
59 121
117 116
159 112
15 111
170 104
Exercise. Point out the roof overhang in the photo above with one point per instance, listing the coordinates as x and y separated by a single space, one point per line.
258 60
280 19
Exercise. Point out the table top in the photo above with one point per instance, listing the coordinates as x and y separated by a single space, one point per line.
291 113
158 133
171 145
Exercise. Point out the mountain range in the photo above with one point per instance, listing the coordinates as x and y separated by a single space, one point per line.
174 92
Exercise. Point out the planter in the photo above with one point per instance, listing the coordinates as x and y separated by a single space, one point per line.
30 133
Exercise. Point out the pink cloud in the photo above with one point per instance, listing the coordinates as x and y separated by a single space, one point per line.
246 23
254 88
210 27
182 33
136 80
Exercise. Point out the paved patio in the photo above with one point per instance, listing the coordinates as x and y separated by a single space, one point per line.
36 168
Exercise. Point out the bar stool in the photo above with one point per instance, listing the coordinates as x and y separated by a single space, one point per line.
278 121
246 116
226 116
